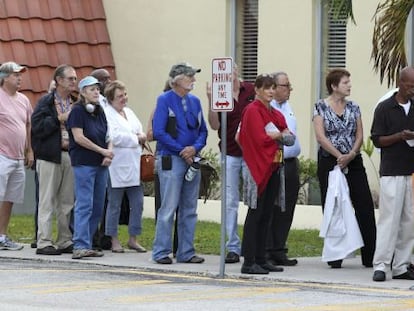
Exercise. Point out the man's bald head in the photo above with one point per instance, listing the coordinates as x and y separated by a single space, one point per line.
405 85
407 73
103 76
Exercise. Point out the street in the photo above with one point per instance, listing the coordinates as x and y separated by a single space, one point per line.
40 285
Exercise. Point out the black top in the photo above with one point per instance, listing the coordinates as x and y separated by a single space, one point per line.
390 118
46 130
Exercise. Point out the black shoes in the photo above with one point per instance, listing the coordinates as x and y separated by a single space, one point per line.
164 261
379 276
260 269
67 250
253 269
168 260
409 275
280 259
336 264
232 257
195 259
48 250
271 268
283 261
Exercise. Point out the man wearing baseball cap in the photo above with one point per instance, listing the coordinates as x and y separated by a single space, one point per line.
180 131
15 145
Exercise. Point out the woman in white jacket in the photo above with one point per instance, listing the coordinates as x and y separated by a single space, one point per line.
127 136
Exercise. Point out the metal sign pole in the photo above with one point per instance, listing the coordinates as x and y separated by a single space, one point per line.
222 101
223 191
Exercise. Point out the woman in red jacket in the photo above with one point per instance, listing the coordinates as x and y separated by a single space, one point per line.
262 131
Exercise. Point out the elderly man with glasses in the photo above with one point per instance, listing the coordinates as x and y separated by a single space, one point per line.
281 220
50 141
181 133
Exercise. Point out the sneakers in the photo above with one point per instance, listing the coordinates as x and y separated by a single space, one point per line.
80 253
232 257
164 261
48 250
9 245
94 253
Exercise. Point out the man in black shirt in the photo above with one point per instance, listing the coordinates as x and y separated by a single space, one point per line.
393 131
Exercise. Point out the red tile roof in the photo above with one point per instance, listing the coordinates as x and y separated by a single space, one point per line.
42 34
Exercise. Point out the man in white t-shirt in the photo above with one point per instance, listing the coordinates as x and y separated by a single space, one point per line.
15 146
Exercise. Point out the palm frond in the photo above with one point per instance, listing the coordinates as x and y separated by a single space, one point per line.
388 40
341 9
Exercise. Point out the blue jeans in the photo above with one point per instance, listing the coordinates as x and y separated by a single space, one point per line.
176 191
90 187
234 165
135 196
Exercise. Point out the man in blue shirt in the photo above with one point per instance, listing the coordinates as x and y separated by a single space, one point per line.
181 133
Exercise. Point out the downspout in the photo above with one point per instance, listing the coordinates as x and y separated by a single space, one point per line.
233 29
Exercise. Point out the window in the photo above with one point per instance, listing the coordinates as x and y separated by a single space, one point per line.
246 38
333 42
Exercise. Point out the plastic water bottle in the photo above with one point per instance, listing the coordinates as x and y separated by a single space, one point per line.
192 171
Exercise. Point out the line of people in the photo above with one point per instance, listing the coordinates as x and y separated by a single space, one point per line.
75 141
81 144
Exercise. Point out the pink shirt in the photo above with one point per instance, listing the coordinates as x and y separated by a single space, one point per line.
15 113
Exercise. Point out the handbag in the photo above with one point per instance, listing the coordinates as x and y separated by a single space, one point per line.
147 164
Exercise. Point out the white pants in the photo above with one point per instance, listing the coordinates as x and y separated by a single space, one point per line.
395 226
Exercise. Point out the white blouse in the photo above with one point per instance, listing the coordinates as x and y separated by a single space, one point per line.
124 170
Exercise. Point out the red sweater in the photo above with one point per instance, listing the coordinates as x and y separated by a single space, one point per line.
259 149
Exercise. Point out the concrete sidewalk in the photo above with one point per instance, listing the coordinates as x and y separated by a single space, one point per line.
309 271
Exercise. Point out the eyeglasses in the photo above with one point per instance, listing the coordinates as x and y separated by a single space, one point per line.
289 86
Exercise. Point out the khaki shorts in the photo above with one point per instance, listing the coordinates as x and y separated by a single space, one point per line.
12 180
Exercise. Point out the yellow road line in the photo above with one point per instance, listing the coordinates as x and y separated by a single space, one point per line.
166 274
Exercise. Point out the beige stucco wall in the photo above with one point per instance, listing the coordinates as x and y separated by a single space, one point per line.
286 43
149 36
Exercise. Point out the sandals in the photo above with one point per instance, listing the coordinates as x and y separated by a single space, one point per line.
137 248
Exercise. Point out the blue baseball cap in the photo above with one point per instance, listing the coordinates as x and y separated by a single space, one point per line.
87 81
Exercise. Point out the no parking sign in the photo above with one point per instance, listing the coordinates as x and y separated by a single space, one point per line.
222 84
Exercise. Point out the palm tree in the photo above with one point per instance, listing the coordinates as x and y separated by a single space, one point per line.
388 40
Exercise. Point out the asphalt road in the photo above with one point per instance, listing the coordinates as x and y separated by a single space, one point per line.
49 285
